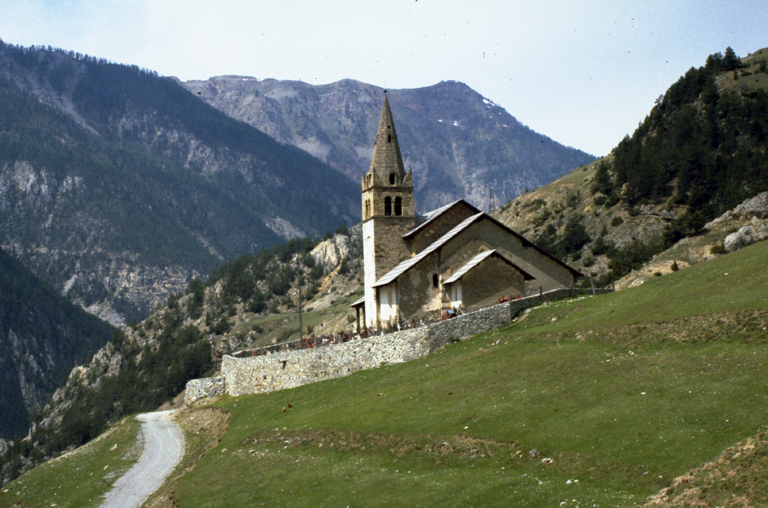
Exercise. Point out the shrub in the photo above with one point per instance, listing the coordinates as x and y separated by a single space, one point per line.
718 249
601 246
612 200
617 221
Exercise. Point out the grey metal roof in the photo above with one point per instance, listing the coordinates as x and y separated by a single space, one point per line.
358 302
470 265
479 259
412 261
430 216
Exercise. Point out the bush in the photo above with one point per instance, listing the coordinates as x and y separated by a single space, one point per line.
617 221
601 246
612 200
718 250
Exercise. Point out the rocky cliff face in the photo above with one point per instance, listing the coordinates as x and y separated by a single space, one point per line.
458 143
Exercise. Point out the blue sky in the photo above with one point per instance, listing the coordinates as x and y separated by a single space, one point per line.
584 73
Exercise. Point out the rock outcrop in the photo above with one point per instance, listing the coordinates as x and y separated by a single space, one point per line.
754 212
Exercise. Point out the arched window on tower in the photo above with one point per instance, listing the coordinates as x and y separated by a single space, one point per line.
367 208
392 179
387 205
398 206
369 179
389 138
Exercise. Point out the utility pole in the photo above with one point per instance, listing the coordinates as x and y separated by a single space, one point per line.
301 326
491 201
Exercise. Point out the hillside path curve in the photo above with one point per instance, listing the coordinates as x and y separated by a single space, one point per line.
163 449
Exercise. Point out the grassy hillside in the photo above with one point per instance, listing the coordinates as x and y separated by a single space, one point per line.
586 402
619 399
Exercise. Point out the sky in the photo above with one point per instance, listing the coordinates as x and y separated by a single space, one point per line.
583 73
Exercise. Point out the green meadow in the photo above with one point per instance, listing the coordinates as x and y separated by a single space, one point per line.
591 401
80 478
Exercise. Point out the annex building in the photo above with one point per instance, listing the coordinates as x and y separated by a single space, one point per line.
455 258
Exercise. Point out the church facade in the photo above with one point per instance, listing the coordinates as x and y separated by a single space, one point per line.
452 259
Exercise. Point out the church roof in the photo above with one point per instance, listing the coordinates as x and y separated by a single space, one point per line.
479 259
428 217
413 261
409 263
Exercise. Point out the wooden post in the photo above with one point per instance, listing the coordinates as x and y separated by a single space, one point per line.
357 309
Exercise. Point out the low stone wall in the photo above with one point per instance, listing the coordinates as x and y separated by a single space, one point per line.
467 325
206 387
289 369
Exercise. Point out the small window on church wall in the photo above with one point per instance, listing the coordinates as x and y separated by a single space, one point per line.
387 205
398 206
392 179
389 138
434 280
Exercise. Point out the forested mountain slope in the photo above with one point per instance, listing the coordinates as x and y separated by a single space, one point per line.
118 186
458 143
42 337
702 150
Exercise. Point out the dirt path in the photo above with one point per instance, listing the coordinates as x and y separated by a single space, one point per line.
163 449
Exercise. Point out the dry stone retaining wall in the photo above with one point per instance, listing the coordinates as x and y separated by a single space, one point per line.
289 369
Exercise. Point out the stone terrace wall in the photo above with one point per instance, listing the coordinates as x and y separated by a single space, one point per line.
206 387
289 369
467 325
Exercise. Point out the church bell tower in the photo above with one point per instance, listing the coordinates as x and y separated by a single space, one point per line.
388 212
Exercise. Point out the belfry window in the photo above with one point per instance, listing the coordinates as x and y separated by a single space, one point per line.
392 179
398 206
389 138
367 208
387 205
434 280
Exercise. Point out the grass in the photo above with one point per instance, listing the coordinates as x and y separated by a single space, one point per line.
592 401
80 478
477 423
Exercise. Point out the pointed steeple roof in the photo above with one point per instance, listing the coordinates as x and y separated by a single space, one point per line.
386 157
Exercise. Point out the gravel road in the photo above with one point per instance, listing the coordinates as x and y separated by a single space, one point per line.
163 449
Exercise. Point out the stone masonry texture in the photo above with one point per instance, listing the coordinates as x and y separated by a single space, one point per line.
289 369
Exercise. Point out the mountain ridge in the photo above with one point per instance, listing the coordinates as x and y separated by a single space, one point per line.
118 187
458 143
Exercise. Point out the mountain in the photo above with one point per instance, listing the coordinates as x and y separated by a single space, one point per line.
701 151
458 143
42 337
118 186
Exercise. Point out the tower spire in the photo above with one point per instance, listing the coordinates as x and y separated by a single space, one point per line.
386 158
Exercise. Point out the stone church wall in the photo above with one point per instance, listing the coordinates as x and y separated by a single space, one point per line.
289 369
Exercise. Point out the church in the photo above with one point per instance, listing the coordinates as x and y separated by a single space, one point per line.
453 259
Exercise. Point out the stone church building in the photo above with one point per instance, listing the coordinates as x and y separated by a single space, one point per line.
455 258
